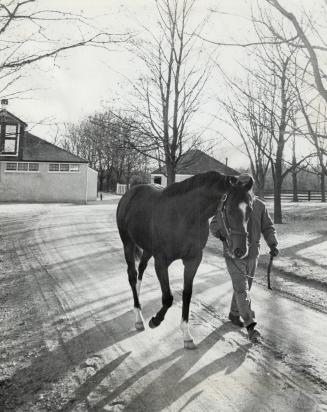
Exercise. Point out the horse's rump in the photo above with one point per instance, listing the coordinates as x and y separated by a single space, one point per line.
135 213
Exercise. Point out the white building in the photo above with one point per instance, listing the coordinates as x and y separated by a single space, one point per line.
34 170
194 162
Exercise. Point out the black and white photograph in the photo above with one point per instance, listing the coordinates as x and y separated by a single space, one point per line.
163 215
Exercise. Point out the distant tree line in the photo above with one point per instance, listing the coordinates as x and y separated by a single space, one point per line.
104 140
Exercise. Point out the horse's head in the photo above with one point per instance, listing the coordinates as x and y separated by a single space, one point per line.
236 209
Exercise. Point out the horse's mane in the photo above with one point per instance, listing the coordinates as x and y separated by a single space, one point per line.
194 182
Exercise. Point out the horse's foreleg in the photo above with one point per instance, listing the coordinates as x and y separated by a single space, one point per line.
161 267
132 276
190 268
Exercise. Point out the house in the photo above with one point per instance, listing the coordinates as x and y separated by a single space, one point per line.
34 170
194 162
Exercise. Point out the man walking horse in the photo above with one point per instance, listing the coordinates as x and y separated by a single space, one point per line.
173 223
242 268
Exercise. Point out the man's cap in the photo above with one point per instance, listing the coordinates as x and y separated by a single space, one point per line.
244 178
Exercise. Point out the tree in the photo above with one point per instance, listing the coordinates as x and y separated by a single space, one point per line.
245 108
305 43
30 33
294 172
168 95
269 112
317 136
102 139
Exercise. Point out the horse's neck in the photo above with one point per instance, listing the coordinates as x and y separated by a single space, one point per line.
204 203
210 207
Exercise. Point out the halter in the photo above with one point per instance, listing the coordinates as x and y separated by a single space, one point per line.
226 226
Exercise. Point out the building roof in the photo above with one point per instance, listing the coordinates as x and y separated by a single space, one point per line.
6 116
36 149
196 161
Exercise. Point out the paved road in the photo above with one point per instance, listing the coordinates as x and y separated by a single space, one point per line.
76 348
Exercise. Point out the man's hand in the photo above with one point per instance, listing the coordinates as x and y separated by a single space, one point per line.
274 251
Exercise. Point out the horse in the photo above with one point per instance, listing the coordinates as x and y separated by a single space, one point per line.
173 223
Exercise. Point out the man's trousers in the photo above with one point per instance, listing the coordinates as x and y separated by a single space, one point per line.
242 272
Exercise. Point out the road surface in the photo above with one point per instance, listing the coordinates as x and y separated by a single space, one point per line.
68 341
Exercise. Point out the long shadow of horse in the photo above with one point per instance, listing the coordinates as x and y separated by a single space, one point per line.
52 365
170 385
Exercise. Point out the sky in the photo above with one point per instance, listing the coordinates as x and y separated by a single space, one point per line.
84 80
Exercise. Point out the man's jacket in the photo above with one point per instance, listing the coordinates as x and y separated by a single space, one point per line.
259 222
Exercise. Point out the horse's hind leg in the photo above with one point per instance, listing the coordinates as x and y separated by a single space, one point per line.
129 250
190 268
142 266
167 298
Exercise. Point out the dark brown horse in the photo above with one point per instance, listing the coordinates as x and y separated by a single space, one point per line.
172 223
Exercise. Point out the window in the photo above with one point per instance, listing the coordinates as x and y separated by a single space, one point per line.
74 168
33 167
22 167
64 167
9 139
157 180
53 167
11 166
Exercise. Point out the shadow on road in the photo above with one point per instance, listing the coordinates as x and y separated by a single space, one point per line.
170 385
52 365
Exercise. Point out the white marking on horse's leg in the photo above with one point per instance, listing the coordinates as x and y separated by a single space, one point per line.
138 287
139 321
187 337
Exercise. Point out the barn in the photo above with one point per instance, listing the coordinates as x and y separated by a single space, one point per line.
194 162
34 170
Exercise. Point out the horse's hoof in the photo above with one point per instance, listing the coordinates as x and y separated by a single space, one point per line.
139 326
189 344
152 323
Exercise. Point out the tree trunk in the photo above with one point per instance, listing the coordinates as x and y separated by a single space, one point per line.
171 173
107 180
294 173
322 186
294 182
101 180
261 190
278 218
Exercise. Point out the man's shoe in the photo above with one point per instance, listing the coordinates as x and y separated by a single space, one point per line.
254 335
236 320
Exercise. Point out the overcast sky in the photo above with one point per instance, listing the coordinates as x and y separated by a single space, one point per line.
88 79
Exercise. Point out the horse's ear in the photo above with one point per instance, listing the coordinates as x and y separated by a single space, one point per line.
248 186
245 181
231 180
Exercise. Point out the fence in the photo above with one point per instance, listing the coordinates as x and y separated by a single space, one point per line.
121 189
303 195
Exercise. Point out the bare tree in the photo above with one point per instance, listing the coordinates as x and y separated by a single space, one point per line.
317 134
168 94
294 172
269 112
103 139
248 117
30 33
304 43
